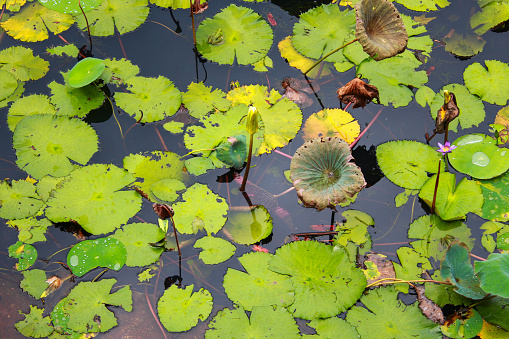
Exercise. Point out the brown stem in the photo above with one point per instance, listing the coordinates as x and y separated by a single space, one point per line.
366 129
176 238
192 19
88 27
248 166
436 188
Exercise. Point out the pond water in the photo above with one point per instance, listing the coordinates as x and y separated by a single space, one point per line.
158 51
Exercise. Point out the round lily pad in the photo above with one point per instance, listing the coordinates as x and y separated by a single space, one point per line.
250 225
137 238
25 253
479 156
89 254
70 6
8 84
380 29
323 175
233 151
85 72
215 250
235 32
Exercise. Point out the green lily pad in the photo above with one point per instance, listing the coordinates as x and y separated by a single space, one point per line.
8 84
166 189
233 151
442 294
180 309
467 326
91 196
388 317
326 282
25 253
491 84
70 6
72 101
29 105
495 311
89 254
471 107
332 327
175 4
264 322
85 72
393 76
464 46
457 269
18 200
424 95
258 286
491 15
322 30
34 283
331 123
41 153
118 71
209 214
152 169
200 100
137 238
215 250
12 5
250 225
18 91
85 307
411 268
406 163
323 175
243 36
69 50
34 21
174 127
157 98
431 239
503 241
31 230
479 156
21 62
496 198
452 202
199 165
353 233
423 5
492 271
124 15
34 325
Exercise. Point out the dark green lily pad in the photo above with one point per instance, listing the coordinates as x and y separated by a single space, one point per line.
466 326
452 202
479 156
91 196
180 309
323 175
326 282
492 272
264 322
240 33
407 163
34 325
103 252
18 200
258 286
388 317
496 198
464 46
85 72
233 151
250 225
25 253
457 269
70 6
380 29
41 153
495 311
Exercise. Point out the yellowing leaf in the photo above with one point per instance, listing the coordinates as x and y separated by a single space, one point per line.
331 123
34 21
297 60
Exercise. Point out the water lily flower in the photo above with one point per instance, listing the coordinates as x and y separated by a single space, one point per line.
447 148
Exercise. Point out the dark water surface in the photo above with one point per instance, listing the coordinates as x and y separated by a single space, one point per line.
157 51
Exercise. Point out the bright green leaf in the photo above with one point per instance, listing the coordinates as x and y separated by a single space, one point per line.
34 283
250 225
137 238
496 198
200 100
492 272
70 6
34 325
215 250
85 72
25 253
29 105
491 84
18 200
21 62
89 254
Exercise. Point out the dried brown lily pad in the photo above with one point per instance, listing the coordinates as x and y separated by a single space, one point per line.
378 267
358 92
428 307
296 94
380 29
323 175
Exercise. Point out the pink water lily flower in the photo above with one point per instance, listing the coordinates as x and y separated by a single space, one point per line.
447 148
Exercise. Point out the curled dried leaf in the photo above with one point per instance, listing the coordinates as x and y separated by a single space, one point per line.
428 307
163 211
447 113
358 92
198 8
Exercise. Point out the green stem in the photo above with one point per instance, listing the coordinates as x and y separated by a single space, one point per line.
196 151
243 186
396 281
325 57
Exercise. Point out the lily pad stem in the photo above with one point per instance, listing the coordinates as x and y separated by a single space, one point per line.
176 239
325 57
397 281
244 180
88 27
436 188
196 151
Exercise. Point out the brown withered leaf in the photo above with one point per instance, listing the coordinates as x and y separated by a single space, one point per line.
198 8
428 307
447 113
358 92
384 267
300 98
163 211
301 85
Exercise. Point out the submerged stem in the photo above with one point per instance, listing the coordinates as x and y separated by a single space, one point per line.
325 57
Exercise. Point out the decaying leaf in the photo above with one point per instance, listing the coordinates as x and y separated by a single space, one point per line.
447 113
198 8
294 94
428 307
358 92
378 263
